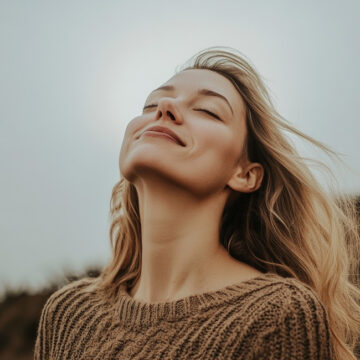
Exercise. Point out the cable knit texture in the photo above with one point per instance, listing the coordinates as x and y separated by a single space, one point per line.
267 317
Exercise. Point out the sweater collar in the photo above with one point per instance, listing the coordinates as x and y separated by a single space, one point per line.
136 312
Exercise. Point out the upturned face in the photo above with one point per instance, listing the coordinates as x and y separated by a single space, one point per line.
207 114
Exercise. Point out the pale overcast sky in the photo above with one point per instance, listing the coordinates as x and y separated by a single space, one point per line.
74 73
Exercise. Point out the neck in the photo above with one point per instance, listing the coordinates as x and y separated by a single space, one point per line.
181 249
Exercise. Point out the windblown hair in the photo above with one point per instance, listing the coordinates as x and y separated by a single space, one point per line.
290 226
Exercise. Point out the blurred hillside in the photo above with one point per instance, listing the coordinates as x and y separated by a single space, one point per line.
19 317
20 313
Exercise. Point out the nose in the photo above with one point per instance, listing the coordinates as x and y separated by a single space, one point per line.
167 109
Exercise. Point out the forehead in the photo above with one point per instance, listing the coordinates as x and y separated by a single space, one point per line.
204 76
193 79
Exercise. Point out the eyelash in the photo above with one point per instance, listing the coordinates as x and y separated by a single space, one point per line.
207 111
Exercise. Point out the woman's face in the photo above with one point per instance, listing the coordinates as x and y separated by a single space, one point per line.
213 143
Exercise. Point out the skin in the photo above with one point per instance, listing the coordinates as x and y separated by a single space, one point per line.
183 190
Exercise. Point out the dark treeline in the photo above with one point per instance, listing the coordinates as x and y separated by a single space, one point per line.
19 317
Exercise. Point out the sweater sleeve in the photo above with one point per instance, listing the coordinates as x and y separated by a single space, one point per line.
42 343
301 331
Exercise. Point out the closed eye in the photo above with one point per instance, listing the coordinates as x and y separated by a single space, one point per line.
149 106
204 110
209 112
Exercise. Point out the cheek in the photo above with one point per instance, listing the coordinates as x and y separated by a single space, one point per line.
132 130
227 145
220 143
134 126
217 151
224 156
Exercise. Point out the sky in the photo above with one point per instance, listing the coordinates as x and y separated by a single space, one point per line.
74 73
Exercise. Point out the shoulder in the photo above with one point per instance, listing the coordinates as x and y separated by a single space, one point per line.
66 298
291 293
69 290
57 310
269 298
284 293
288 319
300 306
288 297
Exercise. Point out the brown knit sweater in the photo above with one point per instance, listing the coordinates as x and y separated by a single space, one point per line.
267 317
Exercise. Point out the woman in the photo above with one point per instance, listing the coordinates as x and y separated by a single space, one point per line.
224 245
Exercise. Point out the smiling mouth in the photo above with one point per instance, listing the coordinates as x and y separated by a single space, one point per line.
160 134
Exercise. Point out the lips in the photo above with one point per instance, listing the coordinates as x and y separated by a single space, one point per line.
166 131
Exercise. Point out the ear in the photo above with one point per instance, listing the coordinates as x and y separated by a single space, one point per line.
247 179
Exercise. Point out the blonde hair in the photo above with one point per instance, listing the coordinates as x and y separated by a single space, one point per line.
290 226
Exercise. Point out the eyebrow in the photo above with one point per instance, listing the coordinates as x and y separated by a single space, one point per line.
205 92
